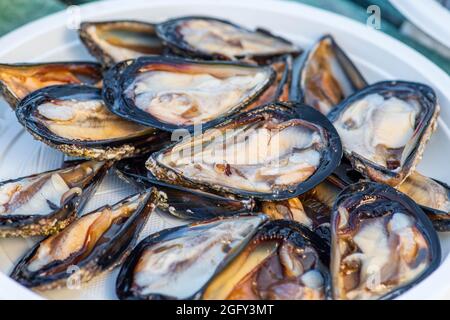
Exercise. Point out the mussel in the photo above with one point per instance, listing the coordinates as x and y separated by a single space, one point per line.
44 203
323 76
216 39
18 80
96 242
382 243
73 119
284 261
384 128
432 195
170 93
184 203
178 263
274 152
114 41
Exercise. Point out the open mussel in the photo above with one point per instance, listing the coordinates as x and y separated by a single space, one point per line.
114 41
284 261
74 120
96 242
18 80
274 152
384 128
216 39
178 263
170 93
45 203
432 195
382 243
182 202
323 76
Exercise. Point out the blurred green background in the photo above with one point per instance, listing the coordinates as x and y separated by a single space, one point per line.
14 13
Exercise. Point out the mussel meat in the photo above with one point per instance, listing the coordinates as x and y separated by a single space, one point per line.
96 242
384 128
382 243
74 120
44 203
170 93
114 41
216 39
275 152
18 80
323 76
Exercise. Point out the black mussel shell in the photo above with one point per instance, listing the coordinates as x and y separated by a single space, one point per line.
358 214
122 81
18 80
172 35
113 41
400 161
205 237
136 139
284 115
182 202
110 234
74 185
324 75
284 261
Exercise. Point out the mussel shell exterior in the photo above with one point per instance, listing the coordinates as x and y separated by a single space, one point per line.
105 57
87 73
120 76
427 125
100 149
354 76
105 255
125 278
168 32
182 202
360 192
35 225
329 160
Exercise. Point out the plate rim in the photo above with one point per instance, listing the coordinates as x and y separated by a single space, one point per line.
432 286
425 15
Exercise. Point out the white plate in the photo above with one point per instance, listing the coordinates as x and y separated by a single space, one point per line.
429 16
377 55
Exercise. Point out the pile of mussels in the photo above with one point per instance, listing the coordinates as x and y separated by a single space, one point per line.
299 184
